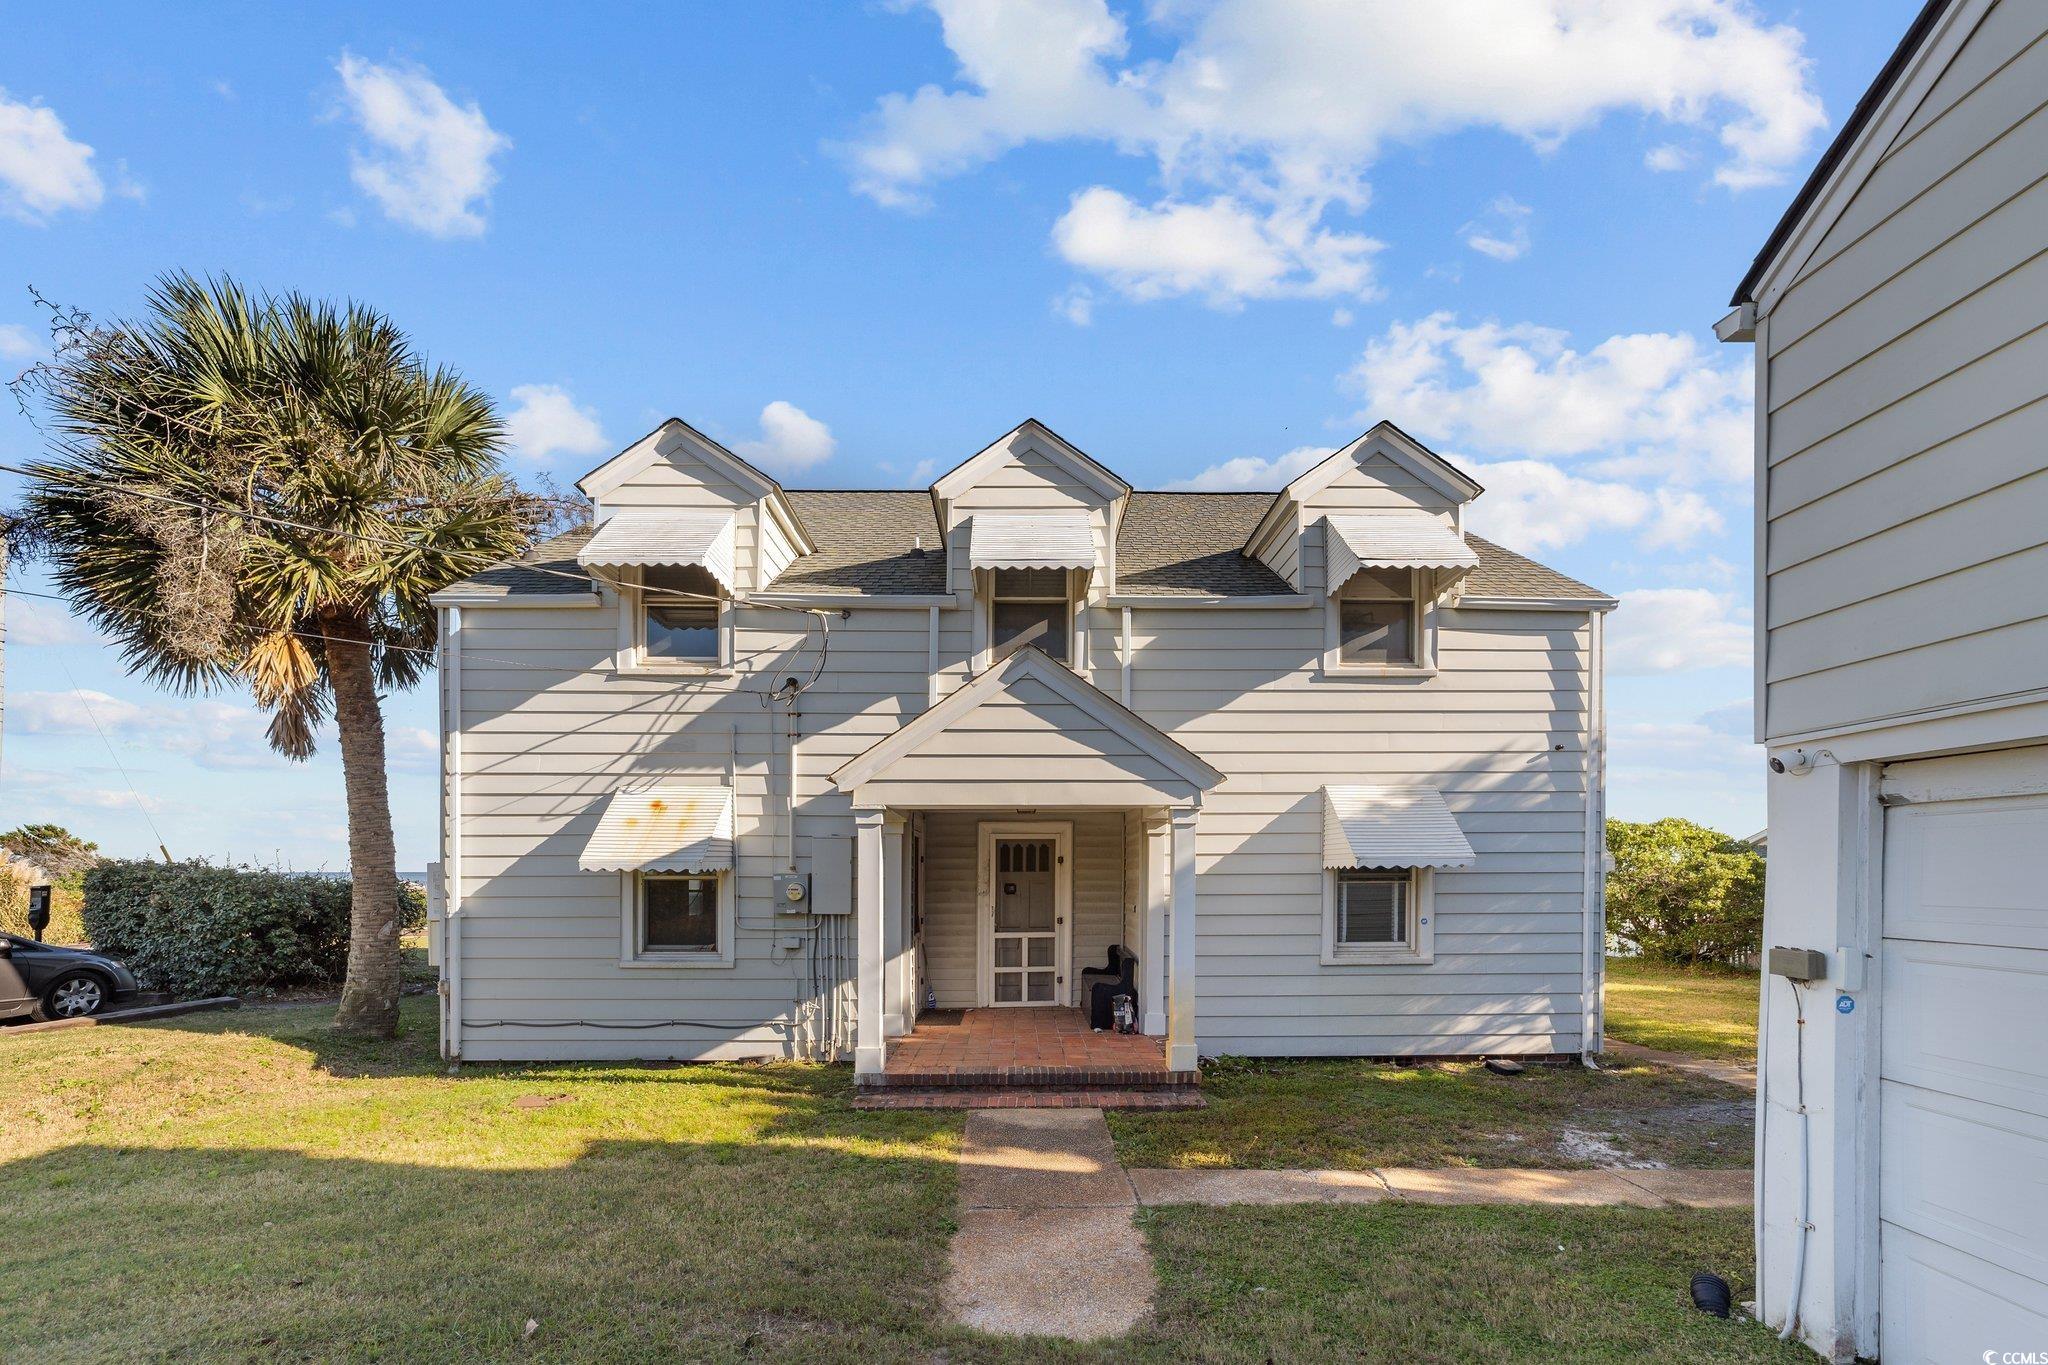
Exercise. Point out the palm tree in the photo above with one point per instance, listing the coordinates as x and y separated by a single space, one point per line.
265 491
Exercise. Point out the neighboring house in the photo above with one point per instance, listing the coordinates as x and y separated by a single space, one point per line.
1761 842
755 772
1900 319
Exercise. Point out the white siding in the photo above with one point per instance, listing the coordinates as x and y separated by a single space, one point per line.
1906 499
549 729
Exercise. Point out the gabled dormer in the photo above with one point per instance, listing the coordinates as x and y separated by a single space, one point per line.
1030 524
1376 530
684 527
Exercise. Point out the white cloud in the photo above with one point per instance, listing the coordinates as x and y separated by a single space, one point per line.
791 440
1251 474
43 170
545 422
1653 403
1077 305
1501 232
43 627
1223 250
212 734
428 164
1677 630
1532 505
1682 517
1667 156
1269 113
18 343
1342 317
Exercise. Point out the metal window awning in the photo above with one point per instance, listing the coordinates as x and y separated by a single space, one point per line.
663 829
649 536
1410 539
1031 540
1386 826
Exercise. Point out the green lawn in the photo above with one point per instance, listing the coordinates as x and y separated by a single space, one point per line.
1703 1012
1352 1115
244 1186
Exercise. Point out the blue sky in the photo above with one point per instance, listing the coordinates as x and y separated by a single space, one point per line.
1203 239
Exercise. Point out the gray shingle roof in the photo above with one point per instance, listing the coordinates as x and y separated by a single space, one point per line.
1171 544
1191 545
867 542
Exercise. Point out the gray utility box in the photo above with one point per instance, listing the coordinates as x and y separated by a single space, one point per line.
831 874
1799 964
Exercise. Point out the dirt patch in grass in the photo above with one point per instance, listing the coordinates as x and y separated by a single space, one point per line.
1703 1012
1349 1115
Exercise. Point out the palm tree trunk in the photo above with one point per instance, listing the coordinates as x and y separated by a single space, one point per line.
369 994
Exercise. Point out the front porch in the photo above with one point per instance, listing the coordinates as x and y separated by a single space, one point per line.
1031 1046
1005 841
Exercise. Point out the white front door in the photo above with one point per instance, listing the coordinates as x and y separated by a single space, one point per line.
1024 915
1963 1133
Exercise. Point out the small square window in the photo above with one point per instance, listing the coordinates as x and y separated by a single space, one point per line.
680 619
678 914
1376 618
1372 910
1030 607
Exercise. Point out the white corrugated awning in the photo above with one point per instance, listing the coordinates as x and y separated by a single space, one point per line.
665 829
1391 827
1411 539
647 536
1031 540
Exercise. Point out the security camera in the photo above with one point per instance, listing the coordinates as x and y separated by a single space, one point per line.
1793 761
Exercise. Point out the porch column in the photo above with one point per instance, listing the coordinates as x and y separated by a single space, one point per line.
1153 870
870 933
895 932
1180 1023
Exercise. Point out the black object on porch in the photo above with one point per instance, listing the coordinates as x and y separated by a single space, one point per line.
1102 985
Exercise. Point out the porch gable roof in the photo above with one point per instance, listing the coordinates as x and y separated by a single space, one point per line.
1030 731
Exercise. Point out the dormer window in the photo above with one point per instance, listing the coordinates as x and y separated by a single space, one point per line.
1378 618
1031 607
679 614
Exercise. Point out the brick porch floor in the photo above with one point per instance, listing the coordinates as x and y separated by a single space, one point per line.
1024 1047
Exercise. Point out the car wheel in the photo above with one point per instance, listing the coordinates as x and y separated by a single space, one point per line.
74 996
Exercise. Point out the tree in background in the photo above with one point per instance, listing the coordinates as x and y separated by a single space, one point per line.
265 491
53 848
1683 893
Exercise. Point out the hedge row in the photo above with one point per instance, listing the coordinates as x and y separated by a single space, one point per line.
197 928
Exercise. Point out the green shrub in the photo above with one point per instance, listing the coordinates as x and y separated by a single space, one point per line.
1683 893
197 928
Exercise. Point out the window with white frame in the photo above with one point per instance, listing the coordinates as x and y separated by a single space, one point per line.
680 616
1379 620
1376 915
1030 607
679 919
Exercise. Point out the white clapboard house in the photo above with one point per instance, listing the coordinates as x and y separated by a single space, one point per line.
746 771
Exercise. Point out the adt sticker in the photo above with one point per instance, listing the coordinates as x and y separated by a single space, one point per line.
1845 1004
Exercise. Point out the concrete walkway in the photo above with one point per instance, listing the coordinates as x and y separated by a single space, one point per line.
1046 1246
1653 1189
1728 1073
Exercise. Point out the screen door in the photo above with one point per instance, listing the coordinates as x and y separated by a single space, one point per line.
1025 942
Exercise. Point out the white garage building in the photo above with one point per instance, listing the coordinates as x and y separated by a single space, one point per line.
1900 320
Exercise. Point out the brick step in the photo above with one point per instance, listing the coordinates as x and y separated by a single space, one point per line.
1036 1077
1029 1097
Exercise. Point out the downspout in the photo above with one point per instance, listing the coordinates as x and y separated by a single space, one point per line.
1125 653
451 974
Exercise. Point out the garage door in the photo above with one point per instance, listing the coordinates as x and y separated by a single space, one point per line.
1964 1065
